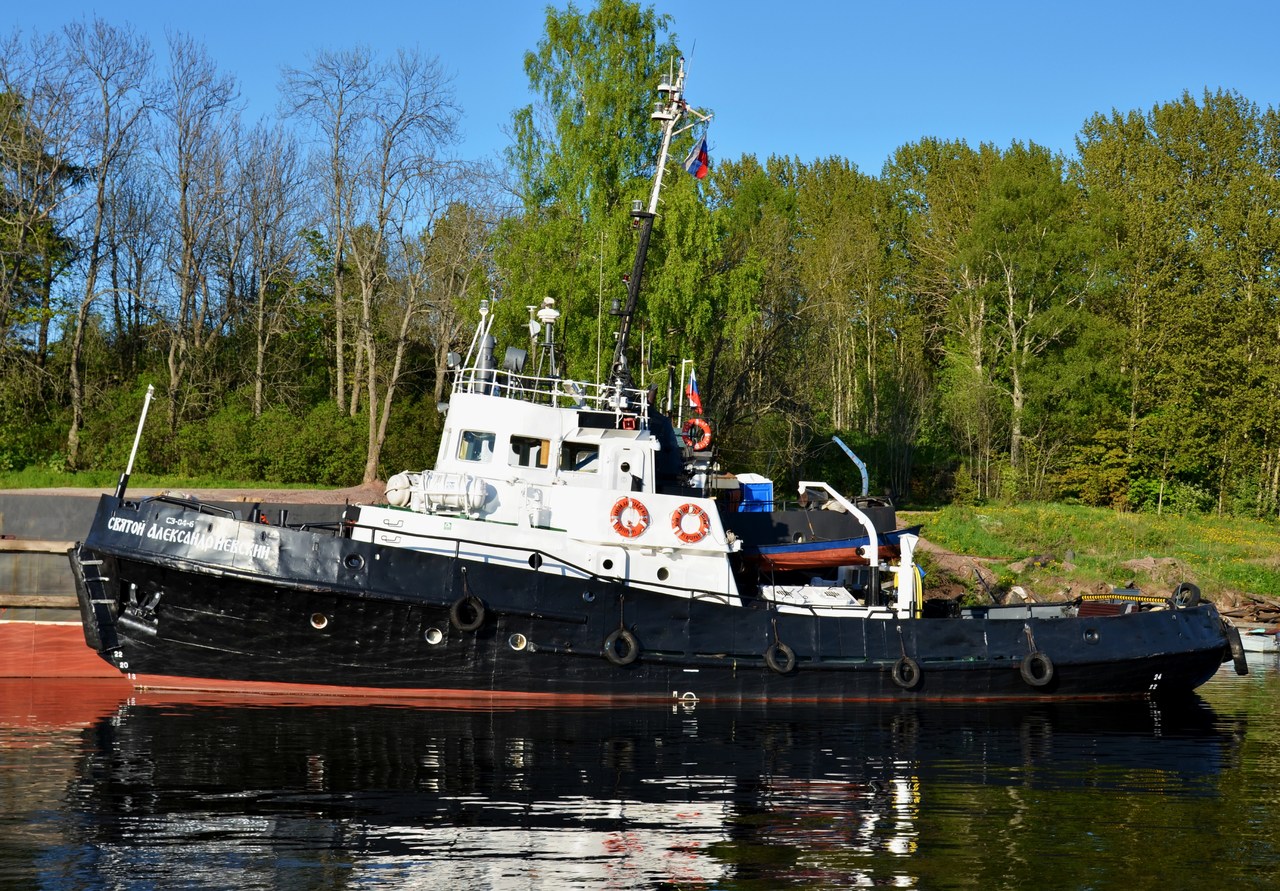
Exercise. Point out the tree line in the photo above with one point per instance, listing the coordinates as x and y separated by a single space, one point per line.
976 322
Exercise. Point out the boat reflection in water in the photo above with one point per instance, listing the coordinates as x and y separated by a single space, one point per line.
233 794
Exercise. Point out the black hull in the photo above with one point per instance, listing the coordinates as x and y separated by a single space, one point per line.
251 606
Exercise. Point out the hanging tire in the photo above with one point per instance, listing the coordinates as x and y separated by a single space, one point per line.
1237 648
467 613
780 657
1037 669
621 647
906 673
1186 595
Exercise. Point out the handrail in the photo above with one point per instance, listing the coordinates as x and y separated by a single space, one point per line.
872 549
200 506
554 391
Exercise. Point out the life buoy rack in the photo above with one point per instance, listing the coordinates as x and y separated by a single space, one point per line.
629 526
697 433
682 532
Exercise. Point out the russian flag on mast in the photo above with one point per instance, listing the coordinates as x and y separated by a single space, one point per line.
698 162
692 391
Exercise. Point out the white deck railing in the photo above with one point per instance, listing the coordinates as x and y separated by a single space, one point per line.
554 391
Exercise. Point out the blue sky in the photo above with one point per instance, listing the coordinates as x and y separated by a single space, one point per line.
853 79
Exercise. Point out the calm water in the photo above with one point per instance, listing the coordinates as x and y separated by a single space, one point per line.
99 791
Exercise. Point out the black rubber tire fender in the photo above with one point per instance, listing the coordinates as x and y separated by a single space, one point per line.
467 613
906 673
629 652
1238 657
780 657
1185 596
1037 669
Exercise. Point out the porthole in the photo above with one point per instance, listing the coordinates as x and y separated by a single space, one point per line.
353 561
535 561
588 597
433 635
607 564
517 641
319 621
1091 635
663 574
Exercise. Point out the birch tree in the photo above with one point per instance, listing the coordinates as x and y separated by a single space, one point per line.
39 168
334 94
1028 240
411 116
271 184
115 64
198 109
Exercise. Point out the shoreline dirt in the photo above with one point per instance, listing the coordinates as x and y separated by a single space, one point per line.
364 494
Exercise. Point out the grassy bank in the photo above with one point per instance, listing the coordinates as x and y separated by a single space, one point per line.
1083 547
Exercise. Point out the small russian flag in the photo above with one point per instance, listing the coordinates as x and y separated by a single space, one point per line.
698 162
692 391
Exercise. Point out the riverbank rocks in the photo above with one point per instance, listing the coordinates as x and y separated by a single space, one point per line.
1168 570
1041 561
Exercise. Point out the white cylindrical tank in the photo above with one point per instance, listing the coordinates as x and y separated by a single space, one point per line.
433 490
453 491
400 489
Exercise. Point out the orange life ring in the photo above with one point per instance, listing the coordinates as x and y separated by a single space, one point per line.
677 523
631 527
703 440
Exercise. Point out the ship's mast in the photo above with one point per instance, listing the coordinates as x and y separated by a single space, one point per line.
671 109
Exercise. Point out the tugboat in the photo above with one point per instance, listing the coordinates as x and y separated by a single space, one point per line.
569 546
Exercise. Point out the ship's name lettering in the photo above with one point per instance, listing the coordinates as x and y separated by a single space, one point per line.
122 524
208 542
188 536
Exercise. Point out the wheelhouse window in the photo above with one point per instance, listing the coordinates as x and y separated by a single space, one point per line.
475 445
579 457
528 451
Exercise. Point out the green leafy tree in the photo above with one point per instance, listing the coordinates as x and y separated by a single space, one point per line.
39 175
867 361
937 186
1031 248
1187 195
582 152
761 389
